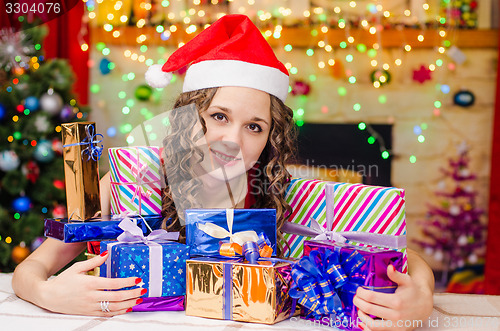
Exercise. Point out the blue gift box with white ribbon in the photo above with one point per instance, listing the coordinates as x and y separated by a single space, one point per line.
206 229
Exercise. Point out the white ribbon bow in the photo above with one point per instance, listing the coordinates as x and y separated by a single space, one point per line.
219 232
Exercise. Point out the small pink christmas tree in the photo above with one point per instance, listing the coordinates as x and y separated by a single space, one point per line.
454 233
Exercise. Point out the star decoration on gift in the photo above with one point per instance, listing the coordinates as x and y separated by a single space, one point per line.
167 255
179 271
421 75
138 258
176 259
141 284
132 266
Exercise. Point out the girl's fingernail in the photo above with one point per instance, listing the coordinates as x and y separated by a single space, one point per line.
138 301
392 267
138 280
143 291
129 310
104 253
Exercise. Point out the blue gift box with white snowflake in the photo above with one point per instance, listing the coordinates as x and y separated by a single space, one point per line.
161 266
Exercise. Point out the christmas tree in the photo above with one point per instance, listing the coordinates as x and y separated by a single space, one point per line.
35 97
455 234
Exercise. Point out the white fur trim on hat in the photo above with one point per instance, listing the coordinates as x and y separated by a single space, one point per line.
217 73
156 77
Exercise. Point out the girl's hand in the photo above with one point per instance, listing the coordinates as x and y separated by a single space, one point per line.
406 309
75 292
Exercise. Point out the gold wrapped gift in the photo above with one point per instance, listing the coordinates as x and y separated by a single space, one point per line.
239 291
81 170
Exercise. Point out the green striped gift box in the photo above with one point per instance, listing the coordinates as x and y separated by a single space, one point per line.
345 207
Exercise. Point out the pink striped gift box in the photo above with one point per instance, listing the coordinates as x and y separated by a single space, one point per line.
135 180
343 207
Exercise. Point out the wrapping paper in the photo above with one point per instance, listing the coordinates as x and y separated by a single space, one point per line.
236 290
161 304
94 229
135 260
206 229
325 280
344 207
81 151
135 180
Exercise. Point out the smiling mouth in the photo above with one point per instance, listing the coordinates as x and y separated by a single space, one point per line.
225 157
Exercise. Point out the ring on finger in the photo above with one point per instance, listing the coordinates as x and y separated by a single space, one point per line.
105 306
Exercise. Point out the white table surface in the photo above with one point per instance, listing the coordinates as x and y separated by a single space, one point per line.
465 312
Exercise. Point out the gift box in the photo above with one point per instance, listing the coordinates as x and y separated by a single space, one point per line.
95 229
135 180
160 263
233 289
344 207
326 278
81 152
206 229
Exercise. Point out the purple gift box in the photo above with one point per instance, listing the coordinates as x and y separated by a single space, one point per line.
331 272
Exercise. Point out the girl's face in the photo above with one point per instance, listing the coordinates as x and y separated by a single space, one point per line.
238 122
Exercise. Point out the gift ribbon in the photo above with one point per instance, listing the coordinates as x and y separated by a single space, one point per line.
318 277
319 233
132 234
139 172
217 231
93 151
250 250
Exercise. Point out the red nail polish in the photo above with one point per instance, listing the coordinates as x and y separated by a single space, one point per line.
143 291
104 253
138 301
129 310
392 267
361 327
138 280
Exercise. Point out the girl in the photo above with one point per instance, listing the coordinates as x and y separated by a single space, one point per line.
238 88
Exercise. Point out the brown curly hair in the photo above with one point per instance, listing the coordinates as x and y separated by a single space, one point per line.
267 180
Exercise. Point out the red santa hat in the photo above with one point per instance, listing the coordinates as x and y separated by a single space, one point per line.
230 52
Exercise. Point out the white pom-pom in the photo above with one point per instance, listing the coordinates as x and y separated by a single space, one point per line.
157 78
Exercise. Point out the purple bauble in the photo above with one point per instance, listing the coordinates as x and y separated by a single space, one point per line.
66 114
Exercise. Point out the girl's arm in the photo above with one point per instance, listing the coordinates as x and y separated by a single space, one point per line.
406 309
72 291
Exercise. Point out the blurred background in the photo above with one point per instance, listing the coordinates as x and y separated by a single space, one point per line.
385 92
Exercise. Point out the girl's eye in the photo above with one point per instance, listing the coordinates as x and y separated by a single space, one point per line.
255 127
219 117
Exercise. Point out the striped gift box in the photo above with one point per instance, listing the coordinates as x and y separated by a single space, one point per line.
135 180
345 207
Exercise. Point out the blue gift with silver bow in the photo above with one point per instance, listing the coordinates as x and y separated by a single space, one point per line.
95 229
206 229
155 258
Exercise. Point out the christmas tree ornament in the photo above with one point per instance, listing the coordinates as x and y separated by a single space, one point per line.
67 113
19 253
42 123
143 92
43 151
57 146
300 87
15 50
59 184
422 75
59 211
454 210
9 160
32 103
3 111
472 258
462 240
36 243
51 102
381 76
105 66
337 69
31 171
464 98
21 204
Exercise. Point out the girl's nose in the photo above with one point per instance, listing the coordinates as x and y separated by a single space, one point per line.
231 138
